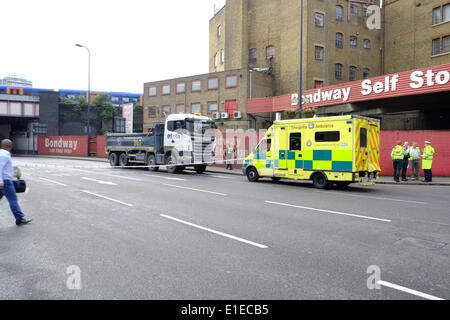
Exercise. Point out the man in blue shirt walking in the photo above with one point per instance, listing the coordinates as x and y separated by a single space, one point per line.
6 183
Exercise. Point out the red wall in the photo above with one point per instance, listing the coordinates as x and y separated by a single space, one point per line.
440 140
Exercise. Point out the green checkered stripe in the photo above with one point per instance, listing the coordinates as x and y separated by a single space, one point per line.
329 160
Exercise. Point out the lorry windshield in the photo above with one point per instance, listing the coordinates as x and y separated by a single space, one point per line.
199 126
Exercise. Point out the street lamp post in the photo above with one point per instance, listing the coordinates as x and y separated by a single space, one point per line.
300 84
89 89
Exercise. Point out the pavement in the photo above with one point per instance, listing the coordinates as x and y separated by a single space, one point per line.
104 233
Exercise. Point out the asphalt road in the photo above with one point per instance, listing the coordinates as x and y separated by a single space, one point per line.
135 234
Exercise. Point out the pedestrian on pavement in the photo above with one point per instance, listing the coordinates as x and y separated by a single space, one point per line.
6 183
427 161
414 153
405 160
397 155
230 156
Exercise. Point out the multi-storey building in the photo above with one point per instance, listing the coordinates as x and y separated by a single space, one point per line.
416 34
338 46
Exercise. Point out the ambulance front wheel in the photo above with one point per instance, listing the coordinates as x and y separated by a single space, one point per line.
252 175
320 181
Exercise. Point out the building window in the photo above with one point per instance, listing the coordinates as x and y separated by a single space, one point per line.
231 82
353 41
441 45
366 10
216 59
152 91
367 44
125 99
180 108
222 56
213 107
196 108
252 56
219 31
353 74
339 40
318 84
441 14
166 110
181 87
319 52
366 73
152 112
213 83
196 85
339 13
166 89
270 52
338 71
353 10
319 19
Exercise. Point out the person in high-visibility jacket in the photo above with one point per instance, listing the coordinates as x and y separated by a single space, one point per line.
397 155
427 161
230 156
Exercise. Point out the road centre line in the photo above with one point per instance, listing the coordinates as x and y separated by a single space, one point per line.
107 198
407 290
55 182
216 232
369 197
328 211
100 181
199 190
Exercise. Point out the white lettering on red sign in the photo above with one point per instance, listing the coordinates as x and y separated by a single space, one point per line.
60 143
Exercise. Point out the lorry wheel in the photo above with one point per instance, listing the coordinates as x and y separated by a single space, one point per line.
123 160
113 159
200 169
320 181
171 167
151 161
252 175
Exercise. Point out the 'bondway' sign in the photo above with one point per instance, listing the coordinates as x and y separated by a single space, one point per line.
415 82
67 145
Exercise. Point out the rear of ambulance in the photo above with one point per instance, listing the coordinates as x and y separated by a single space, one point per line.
363 163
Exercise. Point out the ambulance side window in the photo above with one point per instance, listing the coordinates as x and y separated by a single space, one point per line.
295 142
328 136
363 135
265 146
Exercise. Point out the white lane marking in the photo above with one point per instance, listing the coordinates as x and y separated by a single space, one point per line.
107 198
100 181
55 182
162 177
126 178
216 232
198 190
410 291
328 211
376 198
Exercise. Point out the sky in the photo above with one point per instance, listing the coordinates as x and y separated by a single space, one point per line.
131 42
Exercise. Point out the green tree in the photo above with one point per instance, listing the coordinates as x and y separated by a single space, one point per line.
104 107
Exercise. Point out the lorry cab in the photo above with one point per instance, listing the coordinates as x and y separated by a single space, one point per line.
329 151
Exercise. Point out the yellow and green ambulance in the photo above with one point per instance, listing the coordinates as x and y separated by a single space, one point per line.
329 151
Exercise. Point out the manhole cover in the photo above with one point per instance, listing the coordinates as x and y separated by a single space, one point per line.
421 243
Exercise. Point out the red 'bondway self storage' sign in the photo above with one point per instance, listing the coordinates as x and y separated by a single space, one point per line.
59 145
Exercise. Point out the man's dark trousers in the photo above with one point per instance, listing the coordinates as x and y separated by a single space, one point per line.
398 164
428 175
10 193
405 167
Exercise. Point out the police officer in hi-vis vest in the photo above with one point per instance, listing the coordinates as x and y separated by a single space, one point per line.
397 155
427 161
230 156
